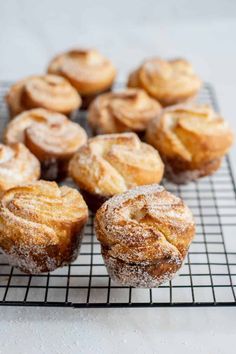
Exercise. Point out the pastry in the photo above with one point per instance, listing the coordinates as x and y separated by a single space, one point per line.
50 136
145 234
110 164
41 226
49 91
87 70
192 139
17 166
127 110
168 81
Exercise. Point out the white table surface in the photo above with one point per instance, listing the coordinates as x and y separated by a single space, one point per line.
31 32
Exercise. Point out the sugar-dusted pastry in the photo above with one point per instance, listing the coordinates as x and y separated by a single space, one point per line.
47 91
87 70
17 165
168 81
122 111
50 136
145 234
110 164
41 226
191 139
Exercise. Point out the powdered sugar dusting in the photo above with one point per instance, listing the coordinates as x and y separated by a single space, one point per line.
112 163
17 165
41 226
120 111
144 227
53 133
138 276
132 193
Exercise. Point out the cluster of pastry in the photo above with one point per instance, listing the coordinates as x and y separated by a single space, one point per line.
141 133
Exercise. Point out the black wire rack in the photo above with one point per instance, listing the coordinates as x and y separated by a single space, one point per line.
208 277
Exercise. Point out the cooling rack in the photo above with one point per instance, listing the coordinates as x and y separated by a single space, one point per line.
208 277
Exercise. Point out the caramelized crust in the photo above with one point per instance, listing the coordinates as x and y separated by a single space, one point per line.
127 110
17 166
111 164
49 136
41 226
192 139
14 97
86 69
169 82
145 234
49 91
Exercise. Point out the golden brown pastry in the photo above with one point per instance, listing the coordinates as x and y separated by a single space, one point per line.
110 164
41 226
50 136
192 139
117 112
145 234
87 70
49 91
168 81
17 166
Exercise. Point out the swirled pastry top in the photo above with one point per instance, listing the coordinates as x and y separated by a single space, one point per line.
127 110
48 91
145 225
40 214
192 133
112 163
87 70
17 166
47 134
169 81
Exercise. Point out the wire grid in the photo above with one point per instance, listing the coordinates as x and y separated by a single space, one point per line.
208 277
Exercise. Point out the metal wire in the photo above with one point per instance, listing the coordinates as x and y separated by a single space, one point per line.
208 277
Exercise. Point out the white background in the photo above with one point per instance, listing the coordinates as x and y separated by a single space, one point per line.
31 32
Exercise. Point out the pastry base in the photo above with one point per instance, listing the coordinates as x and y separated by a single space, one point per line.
140 275
176 173
87 99
34 260
54 170
94 201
